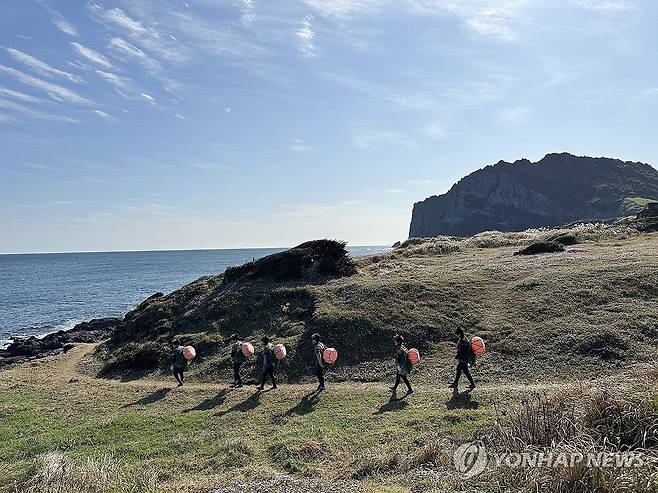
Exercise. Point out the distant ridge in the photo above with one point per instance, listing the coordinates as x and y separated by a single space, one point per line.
558 189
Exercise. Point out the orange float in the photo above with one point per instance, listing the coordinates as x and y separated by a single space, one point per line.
330 355
414 356
189 353
247 349
280 351
477 344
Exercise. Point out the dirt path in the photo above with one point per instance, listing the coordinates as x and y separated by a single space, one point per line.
64 368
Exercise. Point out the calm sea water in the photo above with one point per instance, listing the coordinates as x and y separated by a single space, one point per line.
43 293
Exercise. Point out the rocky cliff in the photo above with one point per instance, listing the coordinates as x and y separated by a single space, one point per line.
559 189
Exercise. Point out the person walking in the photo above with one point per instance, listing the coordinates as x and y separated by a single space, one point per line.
403 366
318 351
179 364
238 358
464 357
269 363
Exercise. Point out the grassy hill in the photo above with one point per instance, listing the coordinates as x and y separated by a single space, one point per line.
589 309
572 339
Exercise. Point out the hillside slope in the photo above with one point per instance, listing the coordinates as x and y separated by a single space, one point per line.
558 189
589 309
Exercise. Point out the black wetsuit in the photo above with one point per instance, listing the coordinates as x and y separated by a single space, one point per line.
462 362
269 365
238 358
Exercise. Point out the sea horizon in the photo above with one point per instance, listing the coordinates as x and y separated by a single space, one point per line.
284 247
47 292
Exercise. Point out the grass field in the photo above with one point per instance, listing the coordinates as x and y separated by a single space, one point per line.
572 340
156 437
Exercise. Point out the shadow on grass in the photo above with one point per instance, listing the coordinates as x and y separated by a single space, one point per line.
304 406
250 403
392 405
212 403
461 400
151 398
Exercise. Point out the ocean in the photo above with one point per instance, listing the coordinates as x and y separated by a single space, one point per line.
43 293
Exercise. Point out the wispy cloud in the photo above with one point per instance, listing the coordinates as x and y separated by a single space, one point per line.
298 145
59 21
305 36
104 116
437 129
394 190
31 113
147 37
346 9
514 115
42 67
648 93
26 98
6 119
408 99
91 55
55 91
119 82
124 49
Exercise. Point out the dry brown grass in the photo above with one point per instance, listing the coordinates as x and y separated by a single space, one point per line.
54 472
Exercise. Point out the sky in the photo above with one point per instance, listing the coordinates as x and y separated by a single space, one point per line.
161 124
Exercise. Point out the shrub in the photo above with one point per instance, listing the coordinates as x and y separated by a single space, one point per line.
565 239
541 247
319 258
137 357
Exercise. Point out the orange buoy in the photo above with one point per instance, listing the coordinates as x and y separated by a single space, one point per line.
477 344
330 355
247 349
280 351
414 356
189 353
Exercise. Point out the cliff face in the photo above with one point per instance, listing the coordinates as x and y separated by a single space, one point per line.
559 189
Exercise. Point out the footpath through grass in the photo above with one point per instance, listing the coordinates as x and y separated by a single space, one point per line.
205 434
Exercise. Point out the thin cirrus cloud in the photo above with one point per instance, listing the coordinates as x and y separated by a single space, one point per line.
31 113
164 46
305 36
124 49
54 91
124 86
20 96
41 67
91 55
501 19
514 115
298 145
118 81
104 116
59 21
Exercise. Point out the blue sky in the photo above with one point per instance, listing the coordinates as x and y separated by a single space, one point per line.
156 124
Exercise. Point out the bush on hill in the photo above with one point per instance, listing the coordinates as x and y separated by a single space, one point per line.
313 259
541 247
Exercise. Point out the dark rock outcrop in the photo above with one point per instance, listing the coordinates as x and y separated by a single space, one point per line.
559 189
24 349
651 210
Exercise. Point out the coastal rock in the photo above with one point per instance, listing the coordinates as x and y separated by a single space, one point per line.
559 189
24 349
